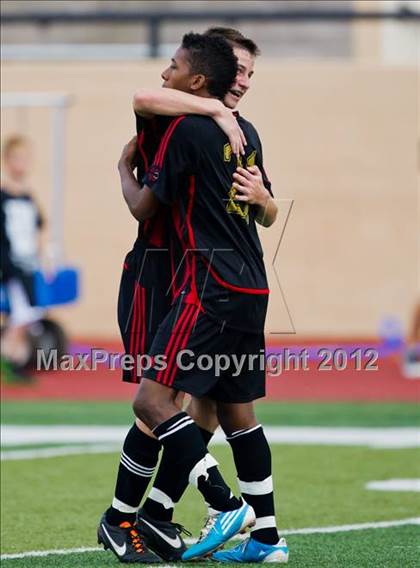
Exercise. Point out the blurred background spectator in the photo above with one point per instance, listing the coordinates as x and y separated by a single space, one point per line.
21 224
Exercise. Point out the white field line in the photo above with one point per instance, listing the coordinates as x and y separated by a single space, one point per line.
40 453
391 438
355 527
41 553
394 485
310 530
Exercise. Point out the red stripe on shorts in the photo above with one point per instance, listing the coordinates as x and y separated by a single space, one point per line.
140 321
185 335
143 320
174 334
133 326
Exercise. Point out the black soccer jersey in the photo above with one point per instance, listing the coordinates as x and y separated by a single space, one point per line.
151 249
20 221
192 172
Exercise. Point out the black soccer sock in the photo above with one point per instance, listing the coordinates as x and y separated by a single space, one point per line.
158 504
184 459
215 477
139 457
252 456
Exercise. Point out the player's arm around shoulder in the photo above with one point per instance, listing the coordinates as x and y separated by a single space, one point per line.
171 102
140 200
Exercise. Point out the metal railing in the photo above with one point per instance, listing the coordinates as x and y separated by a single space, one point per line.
154 19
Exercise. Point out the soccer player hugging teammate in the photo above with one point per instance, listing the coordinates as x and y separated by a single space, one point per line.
223 297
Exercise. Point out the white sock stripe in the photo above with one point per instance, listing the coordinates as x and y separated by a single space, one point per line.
161 497
256 487
191 421
238 432
211 461
174 424
243 432
201 468
123 507
183 419
137 465
264 523
135 471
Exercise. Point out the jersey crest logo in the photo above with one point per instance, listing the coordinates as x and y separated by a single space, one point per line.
236 207
227 152
153 174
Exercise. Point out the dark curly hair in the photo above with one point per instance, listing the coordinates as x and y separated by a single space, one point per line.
235 38
213 57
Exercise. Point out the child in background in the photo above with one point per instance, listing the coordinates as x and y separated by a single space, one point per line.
21 224
411 367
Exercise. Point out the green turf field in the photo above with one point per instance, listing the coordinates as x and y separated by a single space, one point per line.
390 548
272 413
55 503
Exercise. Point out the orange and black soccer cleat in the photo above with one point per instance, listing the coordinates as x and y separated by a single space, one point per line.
126 543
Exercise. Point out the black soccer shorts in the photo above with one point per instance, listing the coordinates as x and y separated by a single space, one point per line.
196 354
141 309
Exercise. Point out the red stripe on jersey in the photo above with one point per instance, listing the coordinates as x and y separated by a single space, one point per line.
156 231
145 225
173 276
219 280
160 154
187 275
140 142
193 295
187 322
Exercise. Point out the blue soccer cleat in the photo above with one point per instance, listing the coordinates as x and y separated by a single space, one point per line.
219 529
253 551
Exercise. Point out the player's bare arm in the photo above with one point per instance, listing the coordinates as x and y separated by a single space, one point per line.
171 102
140 200
250 189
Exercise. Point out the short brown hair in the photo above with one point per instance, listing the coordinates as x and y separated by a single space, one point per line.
12 142
235 38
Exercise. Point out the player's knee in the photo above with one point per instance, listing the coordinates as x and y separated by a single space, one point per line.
233 417
138 408
204 412
142 403
146 411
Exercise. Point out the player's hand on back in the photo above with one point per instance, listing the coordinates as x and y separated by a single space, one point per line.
250 187
226 120
128 155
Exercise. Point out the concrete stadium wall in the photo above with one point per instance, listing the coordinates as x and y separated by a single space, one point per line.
297 39
340 142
